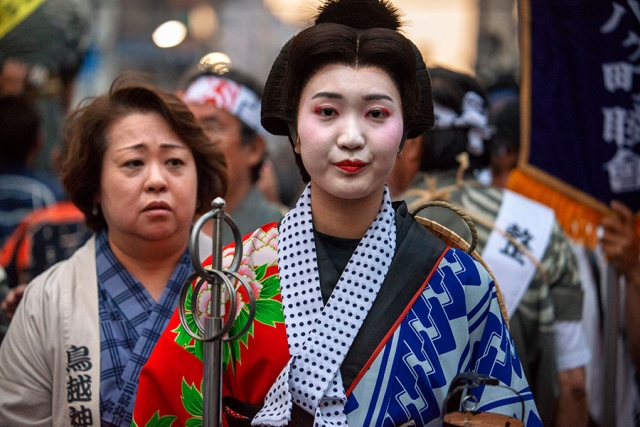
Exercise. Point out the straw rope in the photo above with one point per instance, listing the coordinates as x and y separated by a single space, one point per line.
451 238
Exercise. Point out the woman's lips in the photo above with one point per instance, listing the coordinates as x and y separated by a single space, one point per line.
154 206
351 166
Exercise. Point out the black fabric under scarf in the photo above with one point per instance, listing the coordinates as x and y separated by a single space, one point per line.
415 247
333 255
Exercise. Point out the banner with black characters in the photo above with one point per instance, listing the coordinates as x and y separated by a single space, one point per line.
580 106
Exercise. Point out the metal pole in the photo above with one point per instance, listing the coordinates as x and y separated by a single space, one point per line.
610 332
212 332
212 350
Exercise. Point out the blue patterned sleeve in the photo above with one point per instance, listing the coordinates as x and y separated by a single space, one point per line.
492 351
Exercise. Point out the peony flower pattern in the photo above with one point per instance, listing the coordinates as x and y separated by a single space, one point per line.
261 273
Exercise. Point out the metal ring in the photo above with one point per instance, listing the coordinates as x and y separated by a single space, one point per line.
194 242
252 305
182 299
231 316
194 296
469 398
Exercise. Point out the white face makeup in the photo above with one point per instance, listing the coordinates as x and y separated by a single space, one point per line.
350 127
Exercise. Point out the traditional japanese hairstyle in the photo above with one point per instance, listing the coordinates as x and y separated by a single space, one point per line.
357 33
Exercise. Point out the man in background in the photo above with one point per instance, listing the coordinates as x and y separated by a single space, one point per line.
23 188
532 260
227 106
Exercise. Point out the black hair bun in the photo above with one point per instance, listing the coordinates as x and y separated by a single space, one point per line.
360 14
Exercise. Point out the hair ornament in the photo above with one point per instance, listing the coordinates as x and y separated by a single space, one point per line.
473 116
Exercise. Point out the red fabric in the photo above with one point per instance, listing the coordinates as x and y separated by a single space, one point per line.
257 364
167 366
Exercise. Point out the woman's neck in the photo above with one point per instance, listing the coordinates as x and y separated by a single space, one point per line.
346 218
151 262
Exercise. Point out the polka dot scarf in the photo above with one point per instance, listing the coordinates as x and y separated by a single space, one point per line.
320 336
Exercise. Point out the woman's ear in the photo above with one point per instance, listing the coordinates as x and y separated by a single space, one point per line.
294 138
411 150
296 145
406 167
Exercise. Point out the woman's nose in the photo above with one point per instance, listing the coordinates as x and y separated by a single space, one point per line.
351 136
156 180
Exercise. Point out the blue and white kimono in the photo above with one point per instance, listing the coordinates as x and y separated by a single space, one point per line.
436 315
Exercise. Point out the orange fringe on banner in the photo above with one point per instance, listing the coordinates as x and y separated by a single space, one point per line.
579 222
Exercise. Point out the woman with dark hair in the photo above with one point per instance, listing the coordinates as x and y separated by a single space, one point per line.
363 317
140 168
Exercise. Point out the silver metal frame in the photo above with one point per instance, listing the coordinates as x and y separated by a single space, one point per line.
214 328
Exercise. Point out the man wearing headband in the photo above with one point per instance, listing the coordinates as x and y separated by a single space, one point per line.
227 106
535 267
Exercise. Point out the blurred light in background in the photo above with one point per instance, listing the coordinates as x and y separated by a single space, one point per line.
203 22
216 62
293 12
445 31
169 34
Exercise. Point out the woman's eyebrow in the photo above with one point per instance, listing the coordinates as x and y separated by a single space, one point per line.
332 95
142 146
376 96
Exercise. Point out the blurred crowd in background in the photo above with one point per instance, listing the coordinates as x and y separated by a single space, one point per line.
56 53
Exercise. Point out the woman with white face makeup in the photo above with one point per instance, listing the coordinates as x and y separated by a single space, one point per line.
140 168
363 317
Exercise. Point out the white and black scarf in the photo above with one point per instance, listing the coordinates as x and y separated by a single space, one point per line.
320 335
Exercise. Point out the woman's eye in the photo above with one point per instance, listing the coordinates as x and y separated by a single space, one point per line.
175 162
212 128
378 114
133 163
326 111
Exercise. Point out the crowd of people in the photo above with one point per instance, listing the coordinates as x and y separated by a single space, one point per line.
364 315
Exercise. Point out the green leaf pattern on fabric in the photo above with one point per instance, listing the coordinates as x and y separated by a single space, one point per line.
194 422
268 312
192 400
158 421
182 338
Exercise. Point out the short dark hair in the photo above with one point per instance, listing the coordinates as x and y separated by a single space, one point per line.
506 119
329 43
86 138
19 128
442 146
247 133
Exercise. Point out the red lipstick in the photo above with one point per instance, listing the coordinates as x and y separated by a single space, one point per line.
351 166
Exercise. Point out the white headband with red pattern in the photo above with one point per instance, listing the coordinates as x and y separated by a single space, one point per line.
224 93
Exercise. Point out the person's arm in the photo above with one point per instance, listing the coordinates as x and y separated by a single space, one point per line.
621 245
10 302
571 348
572 399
